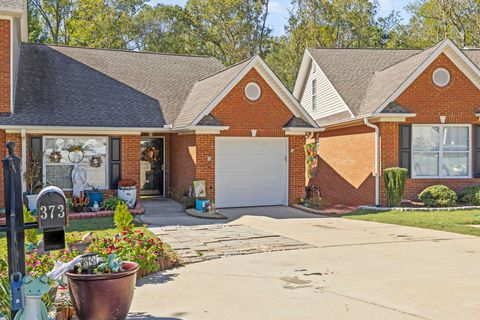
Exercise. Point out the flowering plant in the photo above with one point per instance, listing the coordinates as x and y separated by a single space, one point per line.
40 264
137 245
80 202
127 183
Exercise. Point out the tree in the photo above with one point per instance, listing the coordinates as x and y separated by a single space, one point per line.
435 20
52 17
231 30
105 23
164 29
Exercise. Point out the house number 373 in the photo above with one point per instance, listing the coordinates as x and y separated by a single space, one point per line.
49 212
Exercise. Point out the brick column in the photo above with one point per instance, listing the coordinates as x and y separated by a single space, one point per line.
296 168
205 170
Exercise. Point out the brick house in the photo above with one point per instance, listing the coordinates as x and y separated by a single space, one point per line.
162 120
417 109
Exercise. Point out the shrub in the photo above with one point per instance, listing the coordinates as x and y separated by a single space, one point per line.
394 179
110 203
438 196
470 195
122 217
315 203
187 202
138 245
31 234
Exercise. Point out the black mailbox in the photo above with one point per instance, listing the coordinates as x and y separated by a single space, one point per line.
52 217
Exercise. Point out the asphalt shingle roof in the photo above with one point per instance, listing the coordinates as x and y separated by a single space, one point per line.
69 86
11 4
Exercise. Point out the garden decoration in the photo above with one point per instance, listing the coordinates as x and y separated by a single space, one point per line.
311 159
95 195
55 156
79 177
127 191
150 154
96 161
104 291
34 308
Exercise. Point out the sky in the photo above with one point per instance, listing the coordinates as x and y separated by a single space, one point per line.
278 11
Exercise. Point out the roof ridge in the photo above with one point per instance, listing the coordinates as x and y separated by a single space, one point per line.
119 50
407 58
227 68
367 48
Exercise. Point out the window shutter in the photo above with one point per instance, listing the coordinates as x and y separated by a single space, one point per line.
476 156
36 152
115 161
405 147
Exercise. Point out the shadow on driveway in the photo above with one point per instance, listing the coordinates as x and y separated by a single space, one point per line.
146 316
166 212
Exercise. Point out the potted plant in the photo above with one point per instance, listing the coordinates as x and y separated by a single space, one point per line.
80 204
127 191
102 291
33 182
95 196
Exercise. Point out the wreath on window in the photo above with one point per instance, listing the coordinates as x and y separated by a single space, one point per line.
149 154
96 161
55 156
78 150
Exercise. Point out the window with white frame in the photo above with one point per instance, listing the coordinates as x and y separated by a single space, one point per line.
314 94
441 151
59 173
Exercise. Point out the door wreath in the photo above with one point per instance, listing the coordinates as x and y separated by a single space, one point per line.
55 156
96 161
78 150
149 154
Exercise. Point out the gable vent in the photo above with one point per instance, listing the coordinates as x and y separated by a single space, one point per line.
441 77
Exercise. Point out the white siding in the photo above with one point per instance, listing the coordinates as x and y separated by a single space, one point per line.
328 100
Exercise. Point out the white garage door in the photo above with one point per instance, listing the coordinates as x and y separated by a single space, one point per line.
250 171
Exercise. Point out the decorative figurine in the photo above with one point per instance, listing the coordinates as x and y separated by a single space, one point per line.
34 308
79 177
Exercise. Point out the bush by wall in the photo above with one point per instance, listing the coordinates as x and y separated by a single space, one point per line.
470 196
394 179
438 196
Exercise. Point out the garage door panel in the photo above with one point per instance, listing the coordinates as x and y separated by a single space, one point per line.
250 171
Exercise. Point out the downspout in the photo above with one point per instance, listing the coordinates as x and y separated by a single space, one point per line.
24 158
377 160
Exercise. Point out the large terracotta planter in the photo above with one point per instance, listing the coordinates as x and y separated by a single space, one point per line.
104 296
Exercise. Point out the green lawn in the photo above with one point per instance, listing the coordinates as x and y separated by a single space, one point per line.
452 221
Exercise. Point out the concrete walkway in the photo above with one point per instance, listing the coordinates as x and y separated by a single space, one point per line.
358 270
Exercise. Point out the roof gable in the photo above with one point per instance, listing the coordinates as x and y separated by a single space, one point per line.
398 77
209 92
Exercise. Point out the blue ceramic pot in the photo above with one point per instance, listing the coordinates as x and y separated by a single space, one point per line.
95 196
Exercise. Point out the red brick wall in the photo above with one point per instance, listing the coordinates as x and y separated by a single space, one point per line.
131 158
346 166
5 88
267 115
459 102
182 161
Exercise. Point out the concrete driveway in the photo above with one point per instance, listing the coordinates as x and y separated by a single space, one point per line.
356 270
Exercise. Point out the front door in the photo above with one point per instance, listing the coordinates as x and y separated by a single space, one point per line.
152 167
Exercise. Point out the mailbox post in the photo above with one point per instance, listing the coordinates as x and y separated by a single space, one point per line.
52 220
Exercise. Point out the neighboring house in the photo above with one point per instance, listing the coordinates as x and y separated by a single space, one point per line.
381 108
162 120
